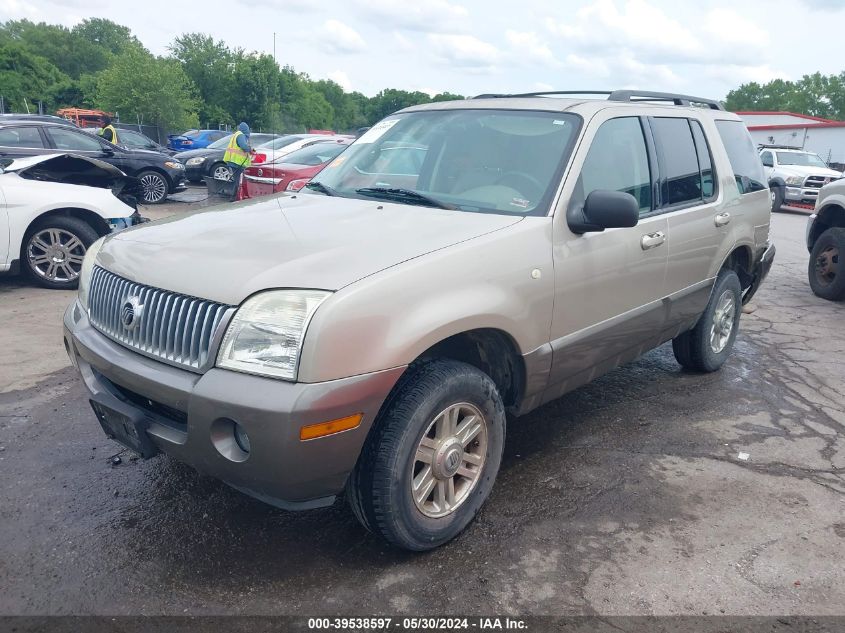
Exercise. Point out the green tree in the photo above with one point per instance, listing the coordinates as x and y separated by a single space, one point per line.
155 90
210 65
814 95
25 78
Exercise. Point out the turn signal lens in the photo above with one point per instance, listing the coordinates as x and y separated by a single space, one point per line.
313 431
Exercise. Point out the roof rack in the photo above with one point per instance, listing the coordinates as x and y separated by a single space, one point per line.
776 146
619 95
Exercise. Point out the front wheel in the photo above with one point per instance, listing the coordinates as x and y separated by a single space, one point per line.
776 194
220 171
826 271
706 347
432 456
154 187
53 251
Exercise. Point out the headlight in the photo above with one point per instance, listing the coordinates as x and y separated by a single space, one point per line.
266 335
795 180
198 160
174 165
87 269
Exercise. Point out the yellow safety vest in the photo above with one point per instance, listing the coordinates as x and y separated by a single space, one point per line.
235 154
113 131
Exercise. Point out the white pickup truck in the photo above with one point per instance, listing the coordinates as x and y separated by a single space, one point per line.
795 177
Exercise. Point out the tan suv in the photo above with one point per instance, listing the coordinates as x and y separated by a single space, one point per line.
458 262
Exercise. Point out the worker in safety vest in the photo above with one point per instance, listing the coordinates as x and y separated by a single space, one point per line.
109 132
237 156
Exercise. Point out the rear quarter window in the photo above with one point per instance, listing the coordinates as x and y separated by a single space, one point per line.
745 162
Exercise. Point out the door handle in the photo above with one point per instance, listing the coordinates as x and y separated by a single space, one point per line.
722 219
651 240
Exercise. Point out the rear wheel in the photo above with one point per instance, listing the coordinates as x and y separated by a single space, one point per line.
52 252
827 269
706 347
432 456
154 187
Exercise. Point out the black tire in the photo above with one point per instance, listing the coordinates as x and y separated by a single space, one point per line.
32 251
777 198
154 187
694 349
827 269
379 489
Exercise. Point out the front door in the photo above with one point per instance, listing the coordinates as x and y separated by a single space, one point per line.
609 285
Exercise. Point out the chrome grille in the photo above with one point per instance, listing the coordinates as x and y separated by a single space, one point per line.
174 328
817 182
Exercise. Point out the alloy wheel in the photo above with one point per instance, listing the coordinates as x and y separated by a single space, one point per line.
449 460
55 255
154 188
723 321
221 172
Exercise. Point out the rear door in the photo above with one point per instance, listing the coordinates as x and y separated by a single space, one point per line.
18 141
697 222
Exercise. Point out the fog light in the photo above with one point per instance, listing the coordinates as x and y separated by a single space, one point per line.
241 438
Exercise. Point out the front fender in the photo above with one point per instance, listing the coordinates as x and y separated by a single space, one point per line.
388 319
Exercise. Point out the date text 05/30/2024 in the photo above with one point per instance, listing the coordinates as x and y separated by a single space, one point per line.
416 624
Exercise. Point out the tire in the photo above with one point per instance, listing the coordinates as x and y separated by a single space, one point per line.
217 170
826 269
154 186
777 198
411 429
55 239
706 347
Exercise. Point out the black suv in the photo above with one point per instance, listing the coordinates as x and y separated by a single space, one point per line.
159 174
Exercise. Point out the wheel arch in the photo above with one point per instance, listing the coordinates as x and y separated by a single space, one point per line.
740 260
830 216
490 350
93 219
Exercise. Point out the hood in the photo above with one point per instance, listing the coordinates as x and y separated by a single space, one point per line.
304 241
243 127
803 170
193 153
72 169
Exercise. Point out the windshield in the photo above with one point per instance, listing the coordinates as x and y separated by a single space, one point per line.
497 161
191 133
800 158
220 143
315 154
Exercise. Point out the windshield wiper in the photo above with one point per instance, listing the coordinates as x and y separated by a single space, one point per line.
404 195
318 186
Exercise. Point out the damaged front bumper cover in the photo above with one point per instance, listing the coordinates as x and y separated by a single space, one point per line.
762 266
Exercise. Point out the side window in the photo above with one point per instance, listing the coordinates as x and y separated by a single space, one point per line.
745 162
21 137
705 161
768 159
681 178
618 161
79 141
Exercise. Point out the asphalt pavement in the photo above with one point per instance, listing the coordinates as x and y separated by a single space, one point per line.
650 491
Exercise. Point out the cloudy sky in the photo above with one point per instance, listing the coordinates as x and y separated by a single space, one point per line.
474 46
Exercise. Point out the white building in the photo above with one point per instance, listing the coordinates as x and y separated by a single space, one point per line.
822 136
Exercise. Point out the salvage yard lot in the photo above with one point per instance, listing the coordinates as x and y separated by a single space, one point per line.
626 496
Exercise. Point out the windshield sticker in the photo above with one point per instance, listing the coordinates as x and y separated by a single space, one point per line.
558 122
377 131
522 203
337 162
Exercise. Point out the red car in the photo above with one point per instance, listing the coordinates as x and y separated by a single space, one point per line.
291 172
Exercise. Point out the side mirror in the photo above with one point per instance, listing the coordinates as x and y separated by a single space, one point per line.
108 151
605 210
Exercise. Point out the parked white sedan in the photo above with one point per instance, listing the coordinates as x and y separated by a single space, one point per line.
52 208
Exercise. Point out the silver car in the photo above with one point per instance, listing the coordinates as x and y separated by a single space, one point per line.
458 262
826 243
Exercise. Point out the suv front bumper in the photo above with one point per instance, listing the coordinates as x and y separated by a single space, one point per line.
759 271
186 415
